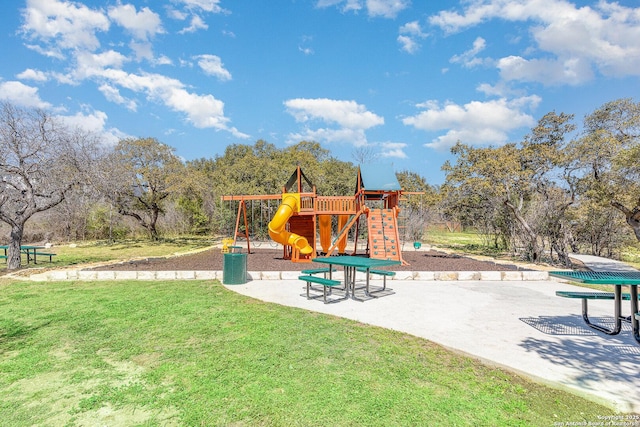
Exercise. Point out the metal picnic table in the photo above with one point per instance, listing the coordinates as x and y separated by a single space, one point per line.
617 279
29 250
351 264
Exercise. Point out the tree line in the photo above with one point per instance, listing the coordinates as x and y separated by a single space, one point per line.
561 189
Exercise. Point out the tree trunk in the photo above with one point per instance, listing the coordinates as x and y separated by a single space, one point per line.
534 247
14 254
563 256
155 213
632 216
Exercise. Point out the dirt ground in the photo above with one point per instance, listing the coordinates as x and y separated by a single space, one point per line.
271 260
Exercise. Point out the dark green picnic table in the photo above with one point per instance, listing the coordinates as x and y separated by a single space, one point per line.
618 279
351 264
29 250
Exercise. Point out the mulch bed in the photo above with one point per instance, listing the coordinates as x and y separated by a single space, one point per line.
271 260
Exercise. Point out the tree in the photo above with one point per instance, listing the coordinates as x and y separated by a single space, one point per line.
610 150
137 177
520 177
420 208
40 162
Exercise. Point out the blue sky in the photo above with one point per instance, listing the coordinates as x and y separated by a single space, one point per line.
402 80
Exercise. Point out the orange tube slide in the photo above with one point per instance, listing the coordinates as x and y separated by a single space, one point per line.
277 225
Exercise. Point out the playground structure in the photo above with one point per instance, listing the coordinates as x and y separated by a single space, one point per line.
303 216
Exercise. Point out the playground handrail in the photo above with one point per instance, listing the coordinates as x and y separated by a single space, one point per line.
335 205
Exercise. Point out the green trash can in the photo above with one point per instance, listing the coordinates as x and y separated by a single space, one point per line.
234 269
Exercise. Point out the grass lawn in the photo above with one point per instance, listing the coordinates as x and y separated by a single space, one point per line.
450 239
193 353
101 251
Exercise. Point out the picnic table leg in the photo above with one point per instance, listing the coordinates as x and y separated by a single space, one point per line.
617 302
352 276
366 290
635 324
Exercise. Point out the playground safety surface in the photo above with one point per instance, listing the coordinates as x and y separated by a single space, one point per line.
271 260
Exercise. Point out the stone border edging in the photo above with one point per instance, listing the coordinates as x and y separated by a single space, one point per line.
93 275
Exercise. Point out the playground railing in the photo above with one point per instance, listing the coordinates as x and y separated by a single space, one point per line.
333 205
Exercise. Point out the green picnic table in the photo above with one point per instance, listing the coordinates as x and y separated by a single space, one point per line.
31 251
618 279
351 264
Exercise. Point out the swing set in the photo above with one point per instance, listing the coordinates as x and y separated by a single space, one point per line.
303 217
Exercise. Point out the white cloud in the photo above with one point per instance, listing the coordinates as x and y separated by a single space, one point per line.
383 8
142 50
571 42
351 118
410 33
357 137
113 94
95 123
349 5
142 25
22 95
571 71
203 111
475 123
205 5
386 8
212 65
90 64
348 114
303 46
49 51
163 60
176 14
31 74
498 90
393 149
469 58
196 24
58 27
68 25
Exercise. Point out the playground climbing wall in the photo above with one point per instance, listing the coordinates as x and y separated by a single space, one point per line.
383 234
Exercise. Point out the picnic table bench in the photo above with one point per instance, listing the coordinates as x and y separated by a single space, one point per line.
586 296
616 279
322 270
45 254
383 273
327 284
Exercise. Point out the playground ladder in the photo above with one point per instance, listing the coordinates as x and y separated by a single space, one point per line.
383 234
